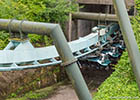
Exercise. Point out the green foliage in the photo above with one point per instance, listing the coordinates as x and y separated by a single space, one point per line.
13 95
38 94
37 10
53 11
137 2
34 94
121 85
136 22
3 39
136 27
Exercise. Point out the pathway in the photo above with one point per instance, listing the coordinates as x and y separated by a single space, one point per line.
65 92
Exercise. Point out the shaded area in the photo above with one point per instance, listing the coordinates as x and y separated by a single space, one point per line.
94 79
65 92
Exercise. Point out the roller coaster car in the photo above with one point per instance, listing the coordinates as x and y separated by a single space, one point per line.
102 59
120 44
112 28
112 51
105 32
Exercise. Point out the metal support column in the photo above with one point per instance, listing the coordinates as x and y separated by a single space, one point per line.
71 67
54 30
129 37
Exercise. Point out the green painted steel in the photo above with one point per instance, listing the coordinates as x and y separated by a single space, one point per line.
72 70
129 37
54 30
27 26
95 16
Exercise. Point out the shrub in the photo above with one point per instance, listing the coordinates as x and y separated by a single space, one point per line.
53 11
121 85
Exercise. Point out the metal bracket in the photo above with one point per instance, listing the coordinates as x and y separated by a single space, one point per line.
66 63
99 18
9 28
22 35
16 36
105 18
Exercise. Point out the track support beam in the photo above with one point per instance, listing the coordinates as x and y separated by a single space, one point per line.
54 30
129 37
94 16
72 70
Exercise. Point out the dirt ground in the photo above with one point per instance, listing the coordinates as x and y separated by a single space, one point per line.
65 92
93 78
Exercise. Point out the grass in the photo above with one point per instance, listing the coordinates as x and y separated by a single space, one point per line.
39 94
121 85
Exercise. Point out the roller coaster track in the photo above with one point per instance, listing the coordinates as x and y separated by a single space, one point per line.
23 55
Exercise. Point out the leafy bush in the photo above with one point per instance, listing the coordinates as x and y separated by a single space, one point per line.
121 85
53 11
3 39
